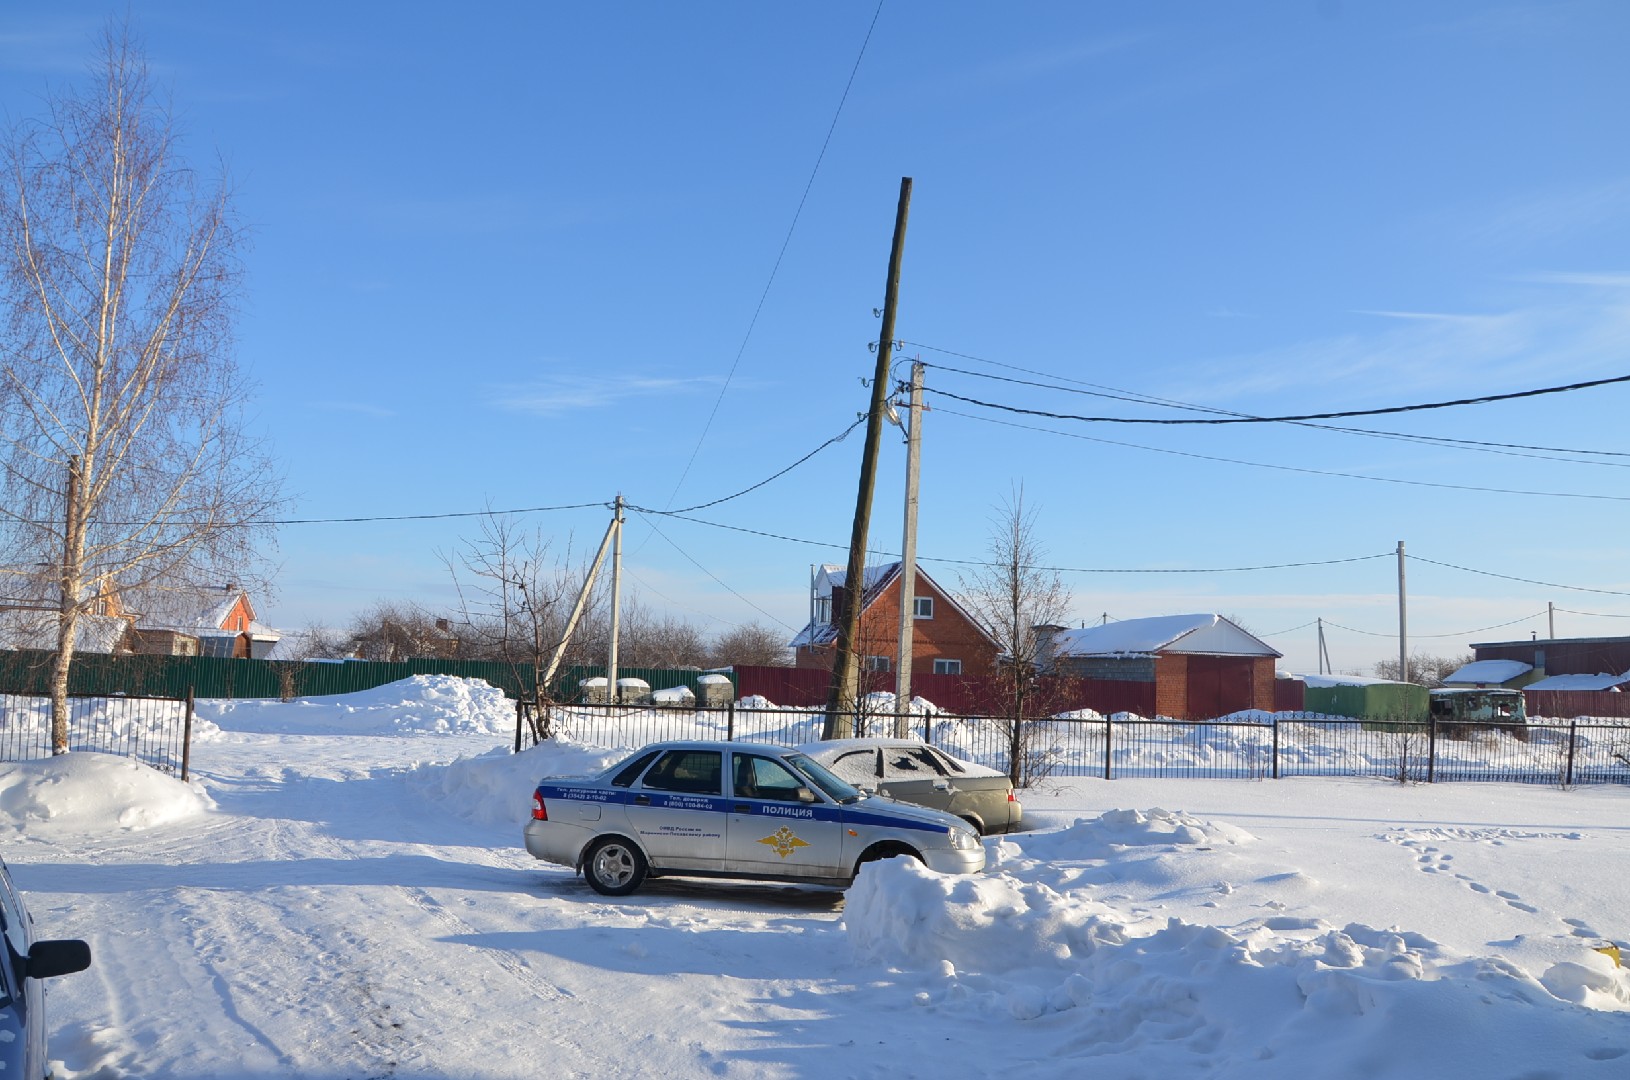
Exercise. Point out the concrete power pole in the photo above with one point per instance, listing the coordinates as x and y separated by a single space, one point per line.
1403 620
612 694
908 559
844 696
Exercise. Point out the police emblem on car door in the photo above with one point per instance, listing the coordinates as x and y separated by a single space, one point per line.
778 825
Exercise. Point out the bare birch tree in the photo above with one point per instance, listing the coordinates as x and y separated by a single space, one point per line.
1010 596
126 461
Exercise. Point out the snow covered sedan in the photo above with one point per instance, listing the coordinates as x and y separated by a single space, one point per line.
22 999
734 810
915 772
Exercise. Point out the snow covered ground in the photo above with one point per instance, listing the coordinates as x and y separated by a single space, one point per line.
342 893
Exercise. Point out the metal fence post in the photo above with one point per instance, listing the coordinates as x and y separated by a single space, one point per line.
1276 746
520 717
186 742
1431 749
730 722
1109 745
1573 736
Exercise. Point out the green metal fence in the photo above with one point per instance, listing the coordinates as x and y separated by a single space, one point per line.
98 674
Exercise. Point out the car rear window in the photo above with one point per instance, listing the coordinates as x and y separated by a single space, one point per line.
695 772
631 771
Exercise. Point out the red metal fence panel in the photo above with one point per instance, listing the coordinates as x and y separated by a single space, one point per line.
1567 704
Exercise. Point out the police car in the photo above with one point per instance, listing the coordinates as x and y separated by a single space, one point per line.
735 810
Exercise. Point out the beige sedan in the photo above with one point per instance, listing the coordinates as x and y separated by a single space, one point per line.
915 772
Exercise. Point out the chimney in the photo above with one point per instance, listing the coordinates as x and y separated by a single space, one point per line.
1046 635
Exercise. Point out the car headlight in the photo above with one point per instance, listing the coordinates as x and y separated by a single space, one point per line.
963 840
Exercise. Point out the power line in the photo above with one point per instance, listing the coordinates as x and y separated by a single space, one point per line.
1592 614
1292 630
1525 581
1506 449
1286 468
720 582
839 437
780 255
1117 393
1483 400
1413 636
979 562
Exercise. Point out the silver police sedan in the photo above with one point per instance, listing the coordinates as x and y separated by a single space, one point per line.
736 810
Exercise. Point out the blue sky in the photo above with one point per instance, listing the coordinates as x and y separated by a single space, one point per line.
508 255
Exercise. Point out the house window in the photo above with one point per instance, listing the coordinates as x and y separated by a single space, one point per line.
947 667
823 609
878 663
922 607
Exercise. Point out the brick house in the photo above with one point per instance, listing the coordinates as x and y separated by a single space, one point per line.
1202 666
945 639
200 621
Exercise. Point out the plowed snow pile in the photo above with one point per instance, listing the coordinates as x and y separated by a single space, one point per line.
424 704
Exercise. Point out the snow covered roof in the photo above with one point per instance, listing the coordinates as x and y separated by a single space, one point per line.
38 630
1210 635
1325 681
1488 673
1580 682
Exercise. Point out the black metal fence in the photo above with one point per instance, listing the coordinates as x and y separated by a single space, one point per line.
1272 746
156 731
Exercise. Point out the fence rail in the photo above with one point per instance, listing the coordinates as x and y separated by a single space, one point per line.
1277 745
156 731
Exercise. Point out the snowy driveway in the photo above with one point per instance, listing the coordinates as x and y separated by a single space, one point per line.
353 906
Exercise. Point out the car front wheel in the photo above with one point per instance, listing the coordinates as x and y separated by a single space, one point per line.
614 867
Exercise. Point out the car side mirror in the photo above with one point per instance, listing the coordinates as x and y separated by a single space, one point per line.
805 795
48 959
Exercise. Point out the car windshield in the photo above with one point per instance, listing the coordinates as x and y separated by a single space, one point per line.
838 790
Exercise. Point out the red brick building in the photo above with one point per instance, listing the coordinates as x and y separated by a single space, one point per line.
1202 666
945 639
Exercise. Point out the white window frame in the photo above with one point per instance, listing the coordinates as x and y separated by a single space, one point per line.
947 667
922 607
879 663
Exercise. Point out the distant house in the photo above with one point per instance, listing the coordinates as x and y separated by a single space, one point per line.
29 603
1562 656
199 621
1488 674
1202 666
945 639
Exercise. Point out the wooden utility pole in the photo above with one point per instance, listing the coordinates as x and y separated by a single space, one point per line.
908 558
844 697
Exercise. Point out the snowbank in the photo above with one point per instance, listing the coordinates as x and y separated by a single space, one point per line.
93 793
1136 993
422 704
495 788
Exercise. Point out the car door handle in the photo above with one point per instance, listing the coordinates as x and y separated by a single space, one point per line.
744 808
642 800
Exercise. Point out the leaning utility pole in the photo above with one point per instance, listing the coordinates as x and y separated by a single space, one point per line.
908 558
845 693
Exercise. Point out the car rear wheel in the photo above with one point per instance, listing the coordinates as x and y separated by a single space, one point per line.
614 867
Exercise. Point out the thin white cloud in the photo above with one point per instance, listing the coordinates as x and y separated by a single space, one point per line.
1582 335
1558 213
1594 279
563 393
1032 65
